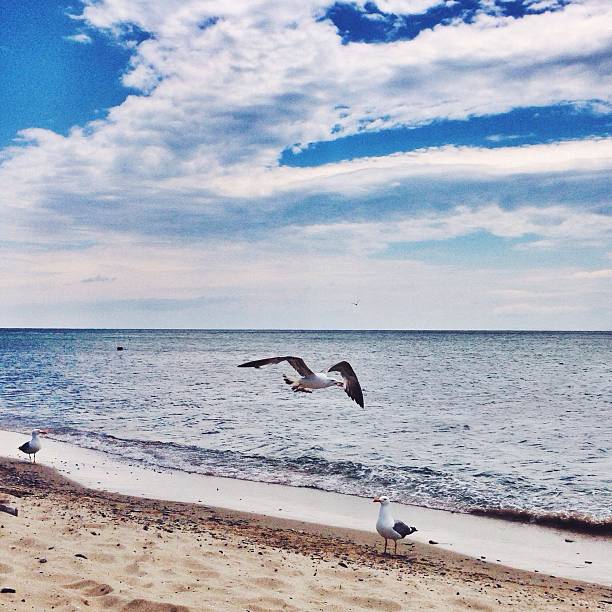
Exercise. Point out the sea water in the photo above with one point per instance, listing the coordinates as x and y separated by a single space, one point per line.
497 422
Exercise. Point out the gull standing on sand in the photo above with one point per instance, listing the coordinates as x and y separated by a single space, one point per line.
34 445
387 526
309 380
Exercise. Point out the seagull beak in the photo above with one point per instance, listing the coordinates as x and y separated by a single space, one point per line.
44 432
376 500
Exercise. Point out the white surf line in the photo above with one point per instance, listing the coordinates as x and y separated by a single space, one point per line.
527 547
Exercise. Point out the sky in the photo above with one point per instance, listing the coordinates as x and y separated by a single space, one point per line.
256 164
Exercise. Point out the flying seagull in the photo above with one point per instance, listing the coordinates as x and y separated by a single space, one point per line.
309 380
33 446
387 526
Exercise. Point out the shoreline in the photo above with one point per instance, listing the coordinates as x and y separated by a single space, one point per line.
571 521
523 546
103 550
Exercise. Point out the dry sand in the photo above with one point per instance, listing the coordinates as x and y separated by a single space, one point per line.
73 548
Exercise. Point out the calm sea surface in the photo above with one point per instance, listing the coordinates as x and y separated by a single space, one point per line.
518 420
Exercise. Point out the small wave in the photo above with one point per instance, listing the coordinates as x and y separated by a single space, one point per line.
570 521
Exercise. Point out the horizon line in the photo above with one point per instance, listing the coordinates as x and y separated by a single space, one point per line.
309 329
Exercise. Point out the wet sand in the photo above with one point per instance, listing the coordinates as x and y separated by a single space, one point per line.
73 548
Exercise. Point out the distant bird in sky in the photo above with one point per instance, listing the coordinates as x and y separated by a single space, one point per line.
356 303
309 381
34 445
387 526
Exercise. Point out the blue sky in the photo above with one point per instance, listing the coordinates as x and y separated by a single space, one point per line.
49 80
196 164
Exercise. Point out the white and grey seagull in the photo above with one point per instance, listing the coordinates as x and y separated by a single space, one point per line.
387 526
34 445
308 380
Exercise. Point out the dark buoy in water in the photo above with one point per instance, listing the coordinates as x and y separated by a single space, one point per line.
119 348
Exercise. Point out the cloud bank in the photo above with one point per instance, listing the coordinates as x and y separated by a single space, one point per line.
179 192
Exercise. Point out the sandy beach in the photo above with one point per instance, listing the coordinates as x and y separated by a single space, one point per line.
74 548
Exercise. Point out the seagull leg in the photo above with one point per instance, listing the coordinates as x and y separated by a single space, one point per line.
395 551
385 547
34 457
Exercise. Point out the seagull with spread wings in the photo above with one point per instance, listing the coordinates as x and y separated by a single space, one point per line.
308 380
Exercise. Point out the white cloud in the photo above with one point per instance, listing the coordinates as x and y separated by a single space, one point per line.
351 177
527 308
99 169
557 225
595 274
542 5
248 61
405 7
98 278
79 38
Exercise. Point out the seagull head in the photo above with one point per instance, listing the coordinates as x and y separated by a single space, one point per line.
383 500
338 383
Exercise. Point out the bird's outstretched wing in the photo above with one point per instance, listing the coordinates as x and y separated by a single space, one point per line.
403 529
351 384
297 363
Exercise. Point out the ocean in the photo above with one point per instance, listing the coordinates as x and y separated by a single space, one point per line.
514 424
